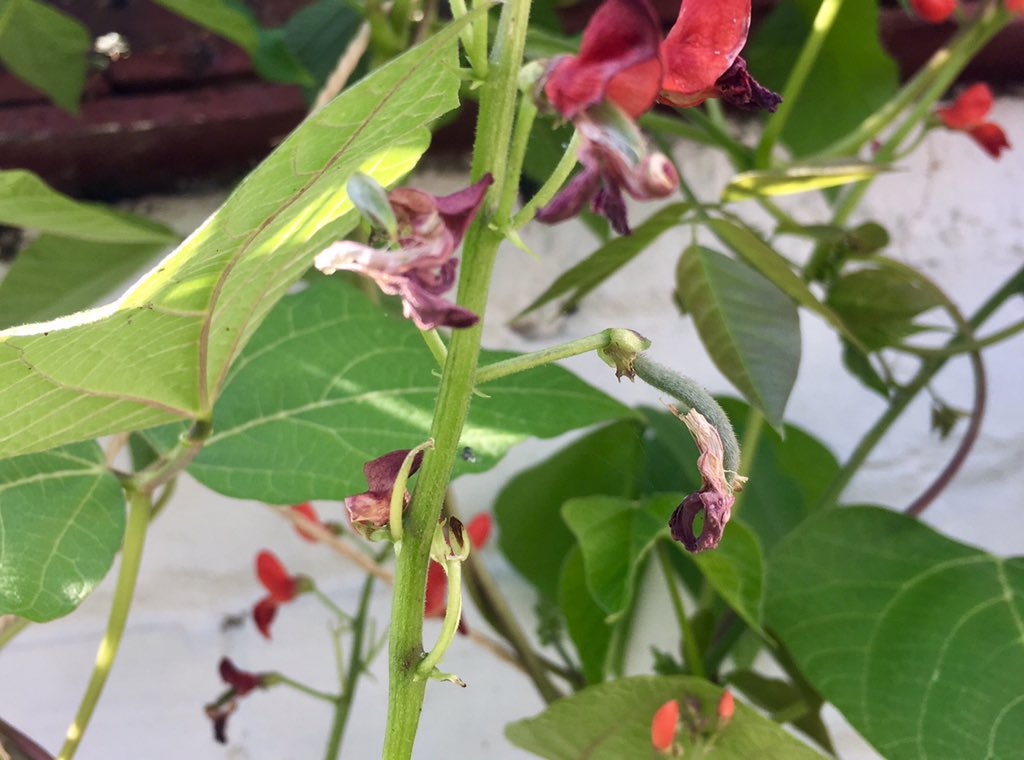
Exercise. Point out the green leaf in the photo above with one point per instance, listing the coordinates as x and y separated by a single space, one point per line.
859 365
748 326
45 48
61 523
531 532
331 381
318 34
615 535
772 265
916 639
221 17
54 276
275 61
788 477
612 721
27 201
851 78
735 570
581 279
589 630
781 697
192 315
879 305
796 178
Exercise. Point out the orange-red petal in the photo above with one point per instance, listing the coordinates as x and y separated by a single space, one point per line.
934 10
263 614
437 591
991 137
663 725
306 510
479 529
707 37
968 110
275 577
618 59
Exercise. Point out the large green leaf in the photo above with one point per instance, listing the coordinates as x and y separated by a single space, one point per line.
192 315
61 523
332 381
612 721
27 201
45 48
615 535
918 640
589 630
581 279
528 509
774 266
748 326
319 34
851 78
879 305
54 276
735 570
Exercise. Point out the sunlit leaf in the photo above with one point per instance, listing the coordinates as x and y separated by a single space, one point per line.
792 179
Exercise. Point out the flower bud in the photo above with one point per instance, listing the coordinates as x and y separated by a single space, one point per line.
663 726
371 199
726 708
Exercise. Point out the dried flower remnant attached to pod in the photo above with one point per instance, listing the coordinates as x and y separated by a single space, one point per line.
967 114
370 511
281 586
614 78
717 495
422 266
663 726
701 54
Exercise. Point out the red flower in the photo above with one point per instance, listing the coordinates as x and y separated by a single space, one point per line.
934 10
701 57
369 511
618 61
436 600
430 228
967 114
306 510
726 708
241 683
1015 6
282 587
663 726
614 79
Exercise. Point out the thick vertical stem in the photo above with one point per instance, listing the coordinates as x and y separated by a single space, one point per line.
491 152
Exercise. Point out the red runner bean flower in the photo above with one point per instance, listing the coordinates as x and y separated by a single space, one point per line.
282 588
934 11
422 267
663 725
241 682
967 114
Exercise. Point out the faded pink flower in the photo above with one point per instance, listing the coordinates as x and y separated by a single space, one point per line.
369 511
422 267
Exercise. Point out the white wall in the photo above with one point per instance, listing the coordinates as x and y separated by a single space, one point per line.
952 211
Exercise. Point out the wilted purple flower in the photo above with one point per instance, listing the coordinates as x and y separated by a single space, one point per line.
716 496
422 267
370 510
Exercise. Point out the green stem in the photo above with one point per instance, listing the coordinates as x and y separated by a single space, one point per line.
663 123
517 155
523 362
820 29
437 347
551 185
278 678
497 108
131 558
1012 287
12 629
748 451
963 346
471 39
327 602
693 658
167 467
350 676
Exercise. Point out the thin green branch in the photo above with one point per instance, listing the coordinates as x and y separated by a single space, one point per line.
452 616
524 362
820 29
437 347
291 683
693 658
551 185
139 506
